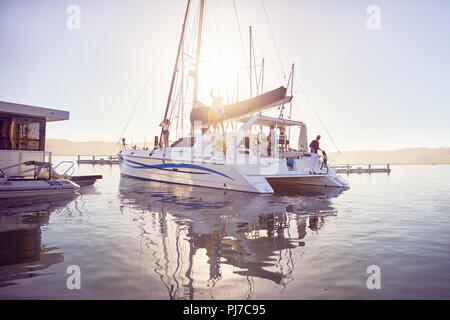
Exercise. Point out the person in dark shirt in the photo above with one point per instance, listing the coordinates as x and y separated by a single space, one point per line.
314 145
283 139
269 140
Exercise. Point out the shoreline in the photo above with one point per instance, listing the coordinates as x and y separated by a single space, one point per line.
330 162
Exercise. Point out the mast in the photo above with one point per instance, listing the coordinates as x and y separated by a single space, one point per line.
175 69
237 87
182 97
292 91
199 46
251 63
253 66
262 76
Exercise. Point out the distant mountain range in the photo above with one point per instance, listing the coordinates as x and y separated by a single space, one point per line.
61 147
403 156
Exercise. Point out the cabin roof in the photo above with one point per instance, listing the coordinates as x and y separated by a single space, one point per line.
271 121
30 111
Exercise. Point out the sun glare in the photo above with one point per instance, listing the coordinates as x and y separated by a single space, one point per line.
219 71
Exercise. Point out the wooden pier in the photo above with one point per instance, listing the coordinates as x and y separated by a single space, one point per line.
108 160
360 169
83 181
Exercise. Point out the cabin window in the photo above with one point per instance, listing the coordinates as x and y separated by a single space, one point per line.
22 133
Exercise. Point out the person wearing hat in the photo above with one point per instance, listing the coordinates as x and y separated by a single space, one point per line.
314 145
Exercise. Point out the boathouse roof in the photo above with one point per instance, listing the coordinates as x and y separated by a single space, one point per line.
31 111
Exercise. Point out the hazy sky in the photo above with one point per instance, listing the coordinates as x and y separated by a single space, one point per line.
374 89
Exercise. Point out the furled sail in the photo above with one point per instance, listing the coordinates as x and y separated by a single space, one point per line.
242 108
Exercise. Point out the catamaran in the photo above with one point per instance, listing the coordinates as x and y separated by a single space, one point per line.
243 159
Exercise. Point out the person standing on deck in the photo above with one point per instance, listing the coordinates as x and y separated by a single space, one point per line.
269 140
165 131
283 139
314 145
216 114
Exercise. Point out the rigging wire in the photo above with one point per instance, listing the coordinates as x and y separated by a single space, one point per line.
144 87
296 80
240 32
317 114
273 38
214 18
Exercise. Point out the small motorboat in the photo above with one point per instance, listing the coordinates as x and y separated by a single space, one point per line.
15 188
46 182
48 172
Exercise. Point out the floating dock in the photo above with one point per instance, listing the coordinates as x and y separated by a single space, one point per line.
360 169
85 180
109 160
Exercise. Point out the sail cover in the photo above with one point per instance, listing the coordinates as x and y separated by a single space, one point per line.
262 102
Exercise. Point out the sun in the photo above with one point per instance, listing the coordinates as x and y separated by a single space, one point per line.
219 71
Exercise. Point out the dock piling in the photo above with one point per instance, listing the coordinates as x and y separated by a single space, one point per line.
348 169
107 160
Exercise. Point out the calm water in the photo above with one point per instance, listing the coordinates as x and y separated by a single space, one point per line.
146 240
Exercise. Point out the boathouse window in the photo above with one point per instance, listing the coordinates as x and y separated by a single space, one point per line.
22 133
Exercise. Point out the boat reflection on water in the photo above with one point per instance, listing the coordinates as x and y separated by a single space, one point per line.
22 254
203 238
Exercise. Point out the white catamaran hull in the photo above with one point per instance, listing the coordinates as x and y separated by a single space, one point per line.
238 177
210 175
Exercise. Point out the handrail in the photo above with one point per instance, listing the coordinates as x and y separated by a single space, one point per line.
37 165
70 167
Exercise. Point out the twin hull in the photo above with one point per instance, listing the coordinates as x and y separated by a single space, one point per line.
238 177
